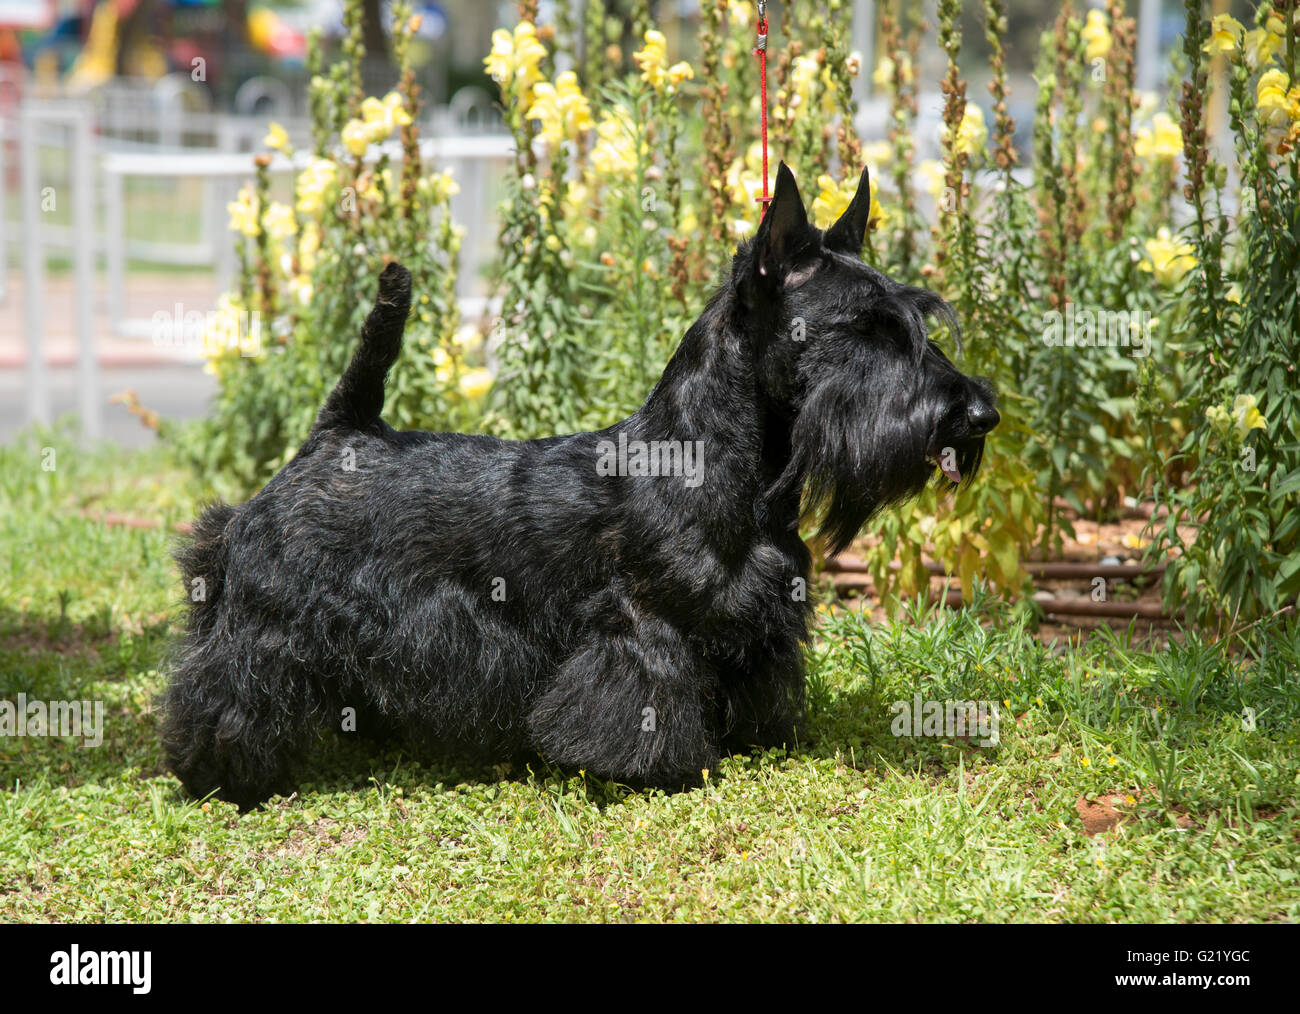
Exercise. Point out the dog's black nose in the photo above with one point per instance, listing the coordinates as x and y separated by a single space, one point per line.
981 417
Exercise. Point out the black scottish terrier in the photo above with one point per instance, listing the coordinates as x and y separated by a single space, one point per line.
629 602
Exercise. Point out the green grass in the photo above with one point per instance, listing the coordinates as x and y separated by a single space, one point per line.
856 825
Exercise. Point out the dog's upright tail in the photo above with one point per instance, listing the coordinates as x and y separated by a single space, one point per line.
358 398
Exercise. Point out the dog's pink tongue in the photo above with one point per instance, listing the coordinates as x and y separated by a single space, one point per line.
952 473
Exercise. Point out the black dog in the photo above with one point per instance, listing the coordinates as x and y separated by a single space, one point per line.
630 602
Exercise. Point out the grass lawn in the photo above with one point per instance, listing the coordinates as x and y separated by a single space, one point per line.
856 825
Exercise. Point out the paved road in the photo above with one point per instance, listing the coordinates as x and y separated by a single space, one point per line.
173 391
167 380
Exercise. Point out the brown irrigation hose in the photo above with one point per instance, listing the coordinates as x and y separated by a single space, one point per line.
849 573
1052 571
126 521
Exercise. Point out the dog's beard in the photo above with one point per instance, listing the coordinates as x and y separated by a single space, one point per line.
854 453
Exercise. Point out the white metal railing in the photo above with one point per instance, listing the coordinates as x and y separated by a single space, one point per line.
94 165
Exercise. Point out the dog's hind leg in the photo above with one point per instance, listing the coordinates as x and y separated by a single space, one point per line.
223 733
636 706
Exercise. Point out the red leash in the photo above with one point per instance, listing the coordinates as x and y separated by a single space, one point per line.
761 52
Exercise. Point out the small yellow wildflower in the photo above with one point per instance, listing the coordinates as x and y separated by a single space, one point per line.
1085 762
802 75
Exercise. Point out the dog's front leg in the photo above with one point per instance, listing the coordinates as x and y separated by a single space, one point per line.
635 704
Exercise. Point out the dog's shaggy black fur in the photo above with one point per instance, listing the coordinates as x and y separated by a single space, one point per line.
513 598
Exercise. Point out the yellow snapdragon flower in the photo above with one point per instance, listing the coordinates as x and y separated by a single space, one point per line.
1163 139
615 151
1225 33
877 153
514 60
653 59
356 137
1243 417
244 213
1246 415
279 221
439 186
385 115
834 198
1096 36
475 383
312 184
883 75
1262 44
277 138
745 177
802 76
1167 259
562 108
1273 106
742 13
679 72
971 134
935 178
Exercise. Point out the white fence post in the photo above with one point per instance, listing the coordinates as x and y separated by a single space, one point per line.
115 247
83 237
29 196
4 218
1148 54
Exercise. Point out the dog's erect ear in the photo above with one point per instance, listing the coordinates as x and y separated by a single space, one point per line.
784 233
847 234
